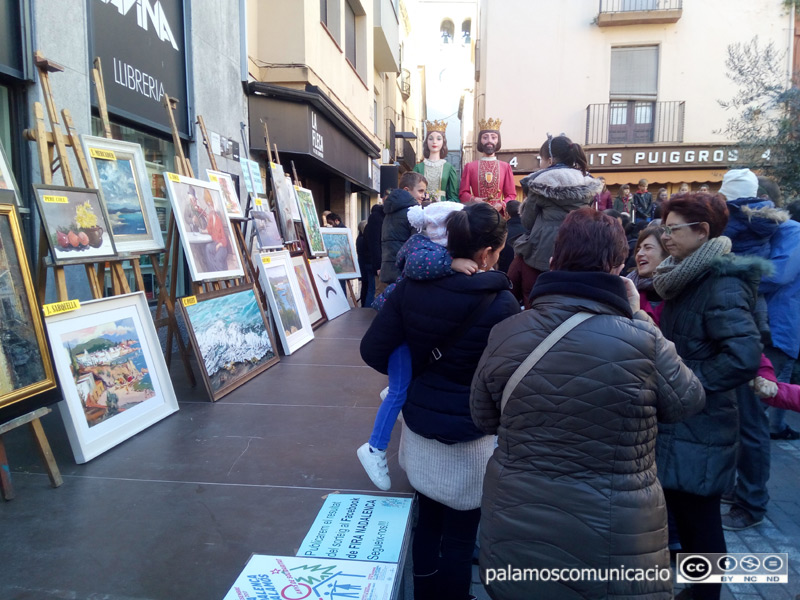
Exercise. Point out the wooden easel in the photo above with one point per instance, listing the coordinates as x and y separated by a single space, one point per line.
164 300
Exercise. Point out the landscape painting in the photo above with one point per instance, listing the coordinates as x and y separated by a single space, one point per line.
307 290
113 376
308 212
230 337
342 252
119 172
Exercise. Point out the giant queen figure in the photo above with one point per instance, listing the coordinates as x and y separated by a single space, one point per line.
488 179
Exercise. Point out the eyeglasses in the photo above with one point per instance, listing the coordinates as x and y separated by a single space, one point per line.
667 229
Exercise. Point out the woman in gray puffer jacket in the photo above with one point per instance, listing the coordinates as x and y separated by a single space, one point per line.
572 483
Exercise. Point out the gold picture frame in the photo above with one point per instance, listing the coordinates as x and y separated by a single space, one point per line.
26 368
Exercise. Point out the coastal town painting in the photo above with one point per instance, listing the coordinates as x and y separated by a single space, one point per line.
112 372
229 336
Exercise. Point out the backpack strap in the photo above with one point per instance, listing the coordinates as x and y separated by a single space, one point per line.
524 368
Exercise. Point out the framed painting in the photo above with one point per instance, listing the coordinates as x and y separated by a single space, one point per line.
284 198
25 367
76 224
205 230
329 290
229 336
233 207
308 212
307 290
279 282
342 251
7 181
119 172
265 230
113 376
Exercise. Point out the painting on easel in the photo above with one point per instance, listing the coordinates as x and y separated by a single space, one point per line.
308 210
284 201
25 368
232 205
205 230
119 172
76 223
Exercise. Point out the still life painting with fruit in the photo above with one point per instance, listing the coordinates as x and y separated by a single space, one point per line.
76 224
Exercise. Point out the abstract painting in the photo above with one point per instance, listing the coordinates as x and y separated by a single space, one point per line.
226 186
25 368
230 337
112 372
118 170
307 290
342 252
76 224
328 287
308 212
204 228
279 282
284 199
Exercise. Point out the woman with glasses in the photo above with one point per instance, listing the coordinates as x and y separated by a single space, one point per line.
709 298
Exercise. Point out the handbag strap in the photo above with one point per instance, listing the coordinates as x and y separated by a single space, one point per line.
440 349
538 352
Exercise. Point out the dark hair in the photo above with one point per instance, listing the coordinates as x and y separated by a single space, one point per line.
614 214
332 217
699 207
566 152
512 208
768 187
589 241
475 227
411 179
480 148
426 152
624 186
794 210
651 231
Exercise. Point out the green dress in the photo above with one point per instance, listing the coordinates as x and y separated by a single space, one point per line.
442 179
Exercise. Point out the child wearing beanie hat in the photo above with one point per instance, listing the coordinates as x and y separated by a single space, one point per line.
739 183
423 257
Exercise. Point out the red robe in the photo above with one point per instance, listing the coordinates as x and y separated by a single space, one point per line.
500 190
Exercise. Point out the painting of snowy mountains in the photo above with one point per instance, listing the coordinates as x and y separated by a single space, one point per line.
230 337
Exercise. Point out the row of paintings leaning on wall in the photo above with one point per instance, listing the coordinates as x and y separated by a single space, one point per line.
106 352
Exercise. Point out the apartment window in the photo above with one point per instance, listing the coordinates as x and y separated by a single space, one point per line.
350 46
329 15
466 31
447 30
375 116
323 11
633 93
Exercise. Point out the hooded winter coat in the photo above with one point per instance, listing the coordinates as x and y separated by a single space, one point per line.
552 194
756 227
712 325
572 483
395 231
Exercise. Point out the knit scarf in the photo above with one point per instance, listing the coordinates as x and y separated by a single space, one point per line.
673 275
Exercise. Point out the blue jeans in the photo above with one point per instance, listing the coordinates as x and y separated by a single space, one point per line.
783 364
399 378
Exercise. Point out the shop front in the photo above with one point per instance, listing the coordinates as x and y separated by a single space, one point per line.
333 157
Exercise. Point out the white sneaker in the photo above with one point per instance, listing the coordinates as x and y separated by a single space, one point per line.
384 393
374 463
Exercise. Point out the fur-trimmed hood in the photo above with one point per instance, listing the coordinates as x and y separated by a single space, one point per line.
752 224
563 185
747 268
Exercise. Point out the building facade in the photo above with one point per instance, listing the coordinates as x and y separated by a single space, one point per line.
636 82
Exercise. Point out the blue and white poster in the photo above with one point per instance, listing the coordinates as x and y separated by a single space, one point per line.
359 527
295 578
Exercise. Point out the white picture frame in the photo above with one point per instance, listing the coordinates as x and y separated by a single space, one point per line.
279 282
193 202
329 290
119 172
341 249
233 207
114 329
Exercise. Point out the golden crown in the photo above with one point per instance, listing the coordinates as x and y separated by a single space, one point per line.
435 126
489 125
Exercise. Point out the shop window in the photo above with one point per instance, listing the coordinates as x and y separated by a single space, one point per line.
633 94
447 30
466 31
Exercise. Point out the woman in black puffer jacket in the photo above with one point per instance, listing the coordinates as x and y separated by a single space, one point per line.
442 451
572 483
709 301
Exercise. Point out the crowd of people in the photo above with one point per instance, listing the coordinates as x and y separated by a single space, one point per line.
583 379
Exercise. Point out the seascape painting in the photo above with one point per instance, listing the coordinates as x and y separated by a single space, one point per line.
230 337
342 252
24 361
121 197
109 369
308 212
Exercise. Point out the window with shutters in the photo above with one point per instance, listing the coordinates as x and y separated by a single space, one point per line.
633 94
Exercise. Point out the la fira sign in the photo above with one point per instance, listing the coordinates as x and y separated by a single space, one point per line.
147 15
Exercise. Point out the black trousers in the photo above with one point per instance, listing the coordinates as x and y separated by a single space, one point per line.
699 526
444 540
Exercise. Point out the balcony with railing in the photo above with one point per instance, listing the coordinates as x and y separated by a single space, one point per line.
635 122
405 84
638 12
409 157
